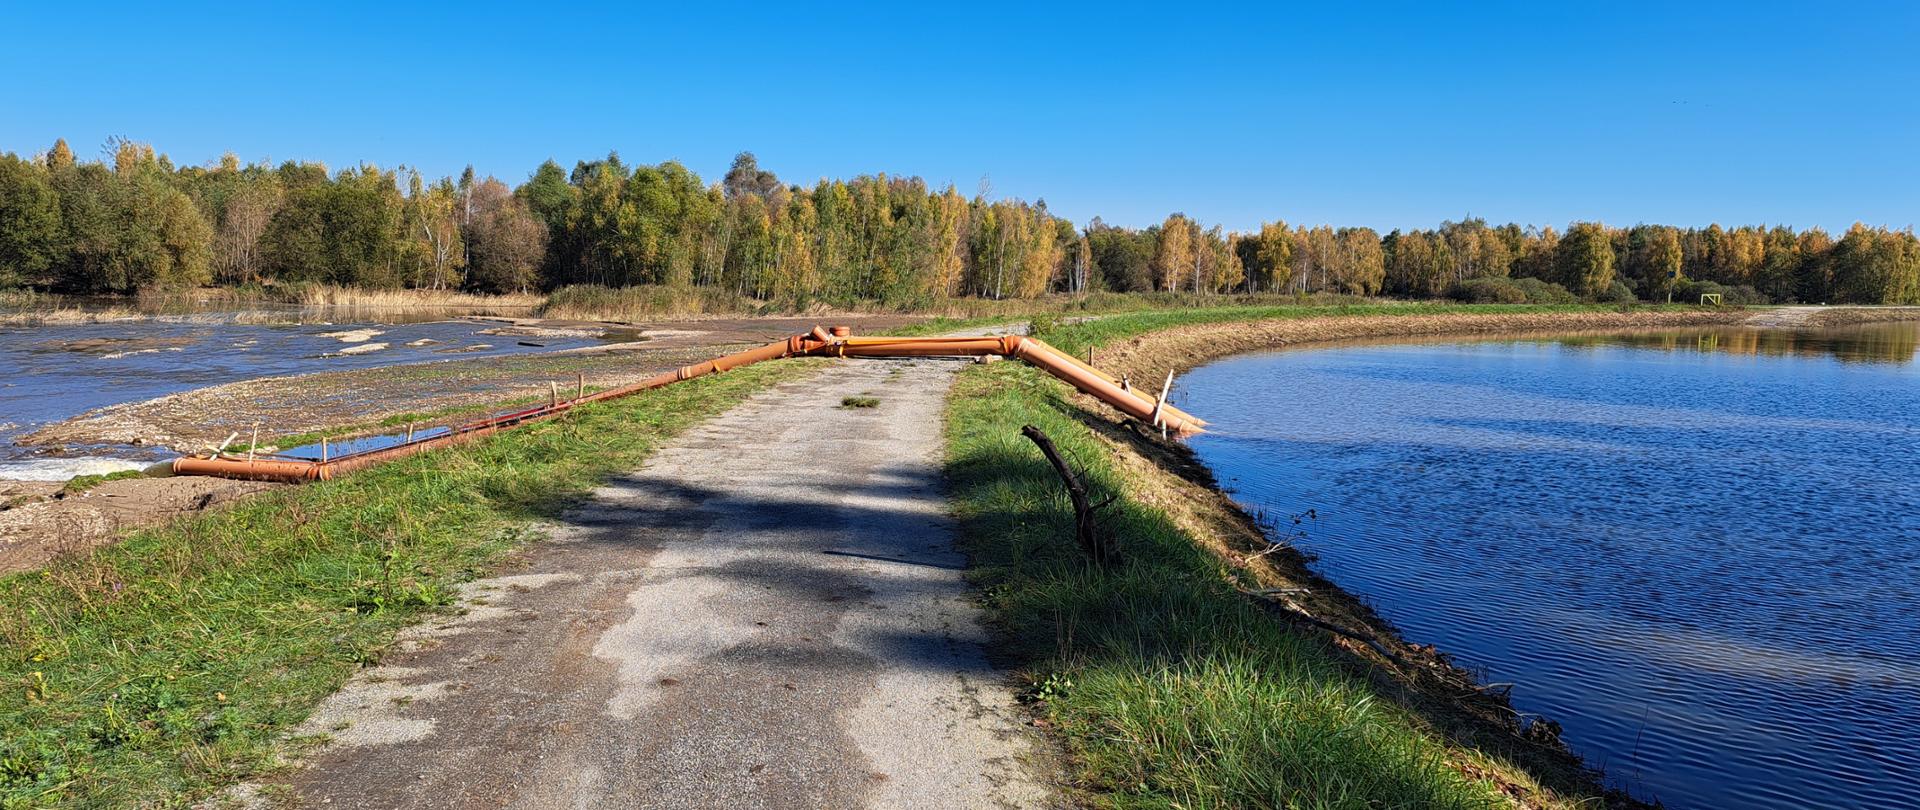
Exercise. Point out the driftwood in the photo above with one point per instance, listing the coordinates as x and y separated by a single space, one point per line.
1099 546
1276 599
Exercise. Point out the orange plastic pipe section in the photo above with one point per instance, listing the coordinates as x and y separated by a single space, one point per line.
817 343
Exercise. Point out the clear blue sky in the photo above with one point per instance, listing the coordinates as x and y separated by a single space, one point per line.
1386 115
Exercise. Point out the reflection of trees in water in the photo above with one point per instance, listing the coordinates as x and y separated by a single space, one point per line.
1874 343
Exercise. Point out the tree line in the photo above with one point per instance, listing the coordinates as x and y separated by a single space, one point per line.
134 220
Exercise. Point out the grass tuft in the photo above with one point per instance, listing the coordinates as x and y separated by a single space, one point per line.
82 483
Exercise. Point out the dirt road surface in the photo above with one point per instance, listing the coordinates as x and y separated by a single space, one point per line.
769 614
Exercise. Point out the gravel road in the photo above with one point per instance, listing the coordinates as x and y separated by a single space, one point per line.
769 614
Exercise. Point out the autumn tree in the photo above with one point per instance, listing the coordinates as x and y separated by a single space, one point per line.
1363 268
245 215
506 241
1173 253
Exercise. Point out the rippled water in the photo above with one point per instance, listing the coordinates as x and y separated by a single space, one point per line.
51 373
1698 551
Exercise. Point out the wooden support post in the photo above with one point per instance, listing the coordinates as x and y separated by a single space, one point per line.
1160 402
1097 546
580 385
254 443
323 448
409 432
553 394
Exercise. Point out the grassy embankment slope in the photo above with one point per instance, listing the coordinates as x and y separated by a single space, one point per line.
157 670
1170 682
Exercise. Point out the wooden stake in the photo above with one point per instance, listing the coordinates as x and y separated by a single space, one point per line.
1160 402
254 443
553 394
580 385
323 449
1089 355
223 445
409 433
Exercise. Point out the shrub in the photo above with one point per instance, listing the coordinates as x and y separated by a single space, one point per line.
1488 291
1617 293
1542 292
1496 290
1740 295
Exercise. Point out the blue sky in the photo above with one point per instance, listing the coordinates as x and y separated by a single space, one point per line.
1388 115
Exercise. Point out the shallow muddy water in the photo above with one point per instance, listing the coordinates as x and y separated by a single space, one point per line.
51 373
1698 551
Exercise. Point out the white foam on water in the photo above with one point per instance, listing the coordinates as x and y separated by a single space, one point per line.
62 469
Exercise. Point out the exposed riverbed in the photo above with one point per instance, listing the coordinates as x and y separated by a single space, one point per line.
1698 550
53 372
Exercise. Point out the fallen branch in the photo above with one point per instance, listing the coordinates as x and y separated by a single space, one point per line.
1287 607
1097 545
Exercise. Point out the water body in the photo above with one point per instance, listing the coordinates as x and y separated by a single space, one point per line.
51 373
1698 551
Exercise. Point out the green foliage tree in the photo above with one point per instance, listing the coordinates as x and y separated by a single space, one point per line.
344 232
137 220
1584 259
32 239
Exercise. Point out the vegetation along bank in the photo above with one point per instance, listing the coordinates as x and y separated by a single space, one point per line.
1210 667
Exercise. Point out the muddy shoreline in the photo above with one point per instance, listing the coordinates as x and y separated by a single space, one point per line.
39 521
332 400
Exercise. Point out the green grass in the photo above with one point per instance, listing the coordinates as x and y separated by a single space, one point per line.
1074 338
82 483
159 669
1170 689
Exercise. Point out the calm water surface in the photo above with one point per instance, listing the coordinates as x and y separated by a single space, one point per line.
1697 551
51 373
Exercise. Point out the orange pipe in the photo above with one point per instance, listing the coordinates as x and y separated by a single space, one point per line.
1058 363
817 343
260 469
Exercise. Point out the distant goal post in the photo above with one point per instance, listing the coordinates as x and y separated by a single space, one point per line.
1710 298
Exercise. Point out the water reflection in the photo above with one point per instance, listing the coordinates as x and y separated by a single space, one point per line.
55 372
1865 343
1698 550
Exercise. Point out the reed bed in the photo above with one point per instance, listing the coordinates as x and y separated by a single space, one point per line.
583 302
327 295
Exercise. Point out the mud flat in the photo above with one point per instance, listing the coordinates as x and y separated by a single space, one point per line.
41 520
41 523
326 401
